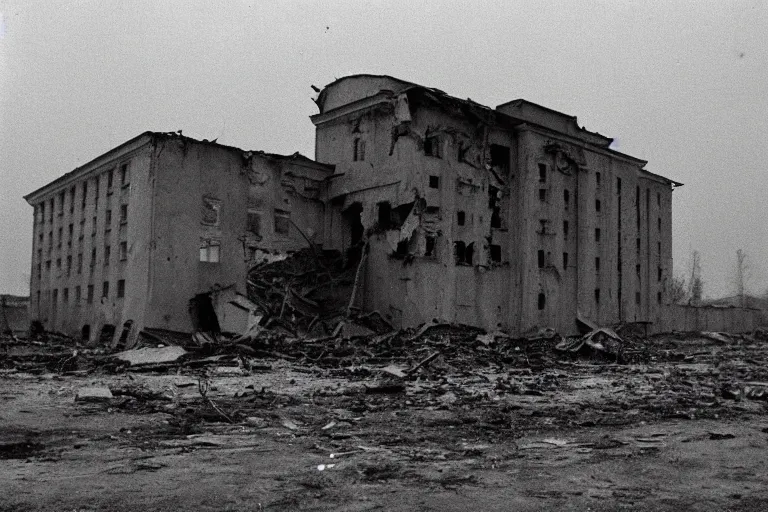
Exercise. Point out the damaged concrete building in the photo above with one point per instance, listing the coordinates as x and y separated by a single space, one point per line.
512 218
159 232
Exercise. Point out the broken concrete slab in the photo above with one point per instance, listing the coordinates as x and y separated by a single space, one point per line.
151 355
93 394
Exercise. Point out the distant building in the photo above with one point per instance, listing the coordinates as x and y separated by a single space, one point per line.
511 218
141 235
14 317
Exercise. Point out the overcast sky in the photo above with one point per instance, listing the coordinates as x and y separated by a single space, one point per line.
683 85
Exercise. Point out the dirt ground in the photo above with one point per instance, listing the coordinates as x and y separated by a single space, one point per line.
684 429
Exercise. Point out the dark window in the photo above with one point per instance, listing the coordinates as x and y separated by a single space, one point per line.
493 203
658 297
659 271
432 147
254 222
597 295
85 195
597 234
358 150
542 194
658 223
637 245
121 288
282 222
123 251
566 198
500 157
434 182
107 253
90 294
209 213
55 296
123 213
58 263
69 265
65 295
542 301
637 270
105 289
77 294
124 175
542 258
429 250
110 177
565 230
470 253
637 298
495 252
658 244
597 179
658 199
108 220
93 231
460 218
93 257
597 205
597 264
80 263
565 260
459 252
618 186
543 173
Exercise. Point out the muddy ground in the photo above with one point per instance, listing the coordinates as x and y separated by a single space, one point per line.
683 427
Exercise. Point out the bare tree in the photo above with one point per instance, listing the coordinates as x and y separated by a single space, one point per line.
696 284
678 291
742 275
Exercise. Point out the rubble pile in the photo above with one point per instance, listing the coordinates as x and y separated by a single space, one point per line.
306 293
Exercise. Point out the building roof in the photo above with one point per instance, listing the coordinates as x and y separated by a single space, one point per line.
150 136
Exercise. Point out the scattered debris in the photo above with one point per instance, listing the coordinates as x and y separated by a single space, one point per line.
94 394
146 356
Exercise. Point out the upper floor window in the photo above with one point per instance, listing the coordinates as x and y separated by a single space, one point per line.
210 211
358 150
210 250
125 176
282 222
433 146
542 173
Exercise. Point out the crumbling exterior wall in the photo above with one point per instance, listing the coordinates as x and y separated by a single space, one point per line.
561 226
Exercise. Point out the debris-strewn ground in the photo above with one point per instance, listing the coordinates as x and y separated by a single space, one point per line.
441 418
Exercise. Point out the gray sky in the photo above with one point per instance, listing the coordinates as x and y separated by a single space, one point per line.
683 85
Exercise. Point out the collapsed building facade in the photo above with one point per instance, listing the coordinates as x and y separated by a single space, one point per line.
511 218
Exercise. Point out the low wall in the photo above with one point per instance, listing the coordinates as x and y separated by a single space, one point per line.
708 318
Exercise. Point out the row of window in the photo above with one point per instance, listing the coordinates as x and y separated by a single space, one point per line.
71 228
89 293
542 298
123 254
124 177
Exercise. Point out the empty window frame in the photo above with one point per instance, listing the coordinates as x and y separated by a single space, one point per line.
463 253
461 218
597 179
282 222
121 288
565 260
542 259
110 179
77 294
434 182
210 250
123 251
500 157
429 249
597 234
542 195
89 297
566 229
542 173
107 255
105 289
358 150
597 264
597 295
495 253
542 301
598 205
125 175
84 199
433 146
108 220
566 199
254 222
123 213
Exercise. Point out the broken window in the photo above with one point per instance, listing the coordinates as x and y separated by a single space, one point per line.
637 245
541 258
385 215
494 196
282 222
495 251
121 288
429 249
434 182
597 264
123 213
469 254
597 205
107 254
254 222
459 252
597 234
543 173
658 223
542 301
566 198
358 150
89 298
123 251
432 146
637 270
500 157
565 260
597 179
637 298
597 295
108 221
543 226
658 297
565 229
110 177
460 218
542 194
210 211
659 274
210 250
105 289
125 176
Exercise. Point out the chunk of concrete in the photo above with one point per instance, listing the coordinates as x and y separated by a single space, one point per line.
93 394
151 355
